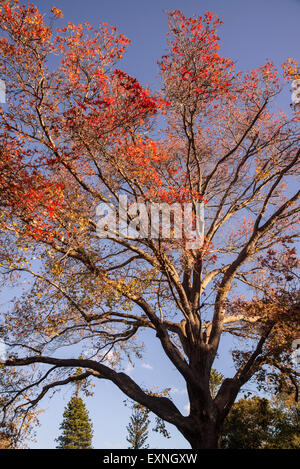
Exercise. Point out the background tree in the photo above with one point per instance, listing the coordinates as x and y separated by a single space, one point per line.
216 380
138 428
82 130
76 427
257 423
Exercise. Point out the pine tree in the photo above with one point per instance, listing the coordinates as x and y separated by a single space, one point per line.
138 428
77 432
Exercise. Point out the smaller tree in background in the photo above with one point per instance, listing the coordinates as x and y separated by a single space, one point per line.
287 430
140 417
138 428
248 424
215 382
259 423
77 429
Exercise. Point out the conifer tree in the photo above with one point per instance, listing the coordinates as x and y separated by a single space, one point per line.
77 431
138 428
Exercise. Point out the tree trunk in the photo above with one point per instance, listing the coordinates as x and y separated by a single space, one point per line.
204 429
208 437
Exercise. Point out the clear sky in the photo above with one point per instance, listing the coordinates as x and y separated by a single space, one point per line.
252 32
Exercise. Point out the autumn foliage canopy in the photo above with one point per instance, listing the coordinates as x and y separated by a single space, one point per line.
77 131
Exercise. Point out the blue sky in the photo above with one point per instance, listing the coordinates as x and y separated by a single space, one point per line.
252 32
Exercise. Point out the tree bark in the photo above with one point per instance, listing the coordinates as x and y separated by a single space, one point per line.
208 437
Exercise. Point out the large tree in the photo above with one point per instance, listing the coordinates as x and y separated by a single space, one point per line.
83 132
